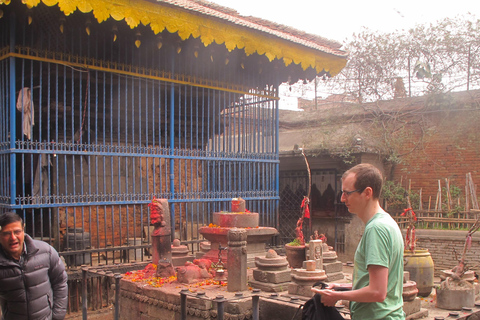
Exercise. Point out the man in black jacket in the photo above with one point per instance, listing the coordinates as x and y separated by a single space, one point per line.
33 281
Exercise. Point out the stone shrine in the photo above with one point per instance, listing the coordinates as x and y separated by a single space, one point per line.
180 254
271 273
217 232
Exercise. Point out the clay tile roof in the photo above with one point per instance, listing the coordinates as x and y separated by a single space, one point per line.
271 28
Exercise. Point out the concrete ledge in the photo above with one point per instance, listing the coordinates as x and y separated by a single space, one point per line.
454 235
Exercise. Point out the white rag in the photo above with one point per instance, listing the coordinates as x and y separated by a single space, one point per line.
25 105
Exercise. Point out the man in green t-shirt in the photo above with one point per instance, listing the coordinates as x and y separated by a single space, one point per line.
378 271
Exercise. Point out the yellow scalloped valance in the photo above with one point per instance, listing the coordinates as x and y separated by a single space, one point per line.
187 24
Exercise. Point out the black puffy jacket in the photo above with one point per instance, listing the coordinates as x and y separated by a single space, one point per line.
38 290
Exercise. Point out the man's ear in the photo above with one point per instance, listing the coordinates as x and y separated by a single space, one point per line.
368 192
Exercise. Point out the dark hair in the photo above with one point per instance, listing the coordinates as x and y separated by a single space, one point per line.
9 217
366 175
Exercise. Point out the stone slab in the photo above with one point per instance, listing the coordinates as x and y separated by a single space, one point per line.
411 307
423 313
335 276
269 287
300 290
272 276
332 267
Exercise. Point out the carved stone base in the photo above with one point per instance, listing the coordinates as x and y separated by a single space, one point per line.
269 287
272 276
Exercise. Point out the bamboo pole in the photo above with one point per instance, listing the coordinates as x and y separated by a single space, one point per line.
449 197
420 205
438 206
467 200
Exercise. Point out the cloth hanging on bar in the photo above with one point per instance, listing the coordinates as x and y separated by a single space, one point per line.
25 105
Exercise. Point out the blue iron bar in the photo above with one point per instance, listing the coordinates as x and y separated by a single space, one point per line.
86 153
172 143
84 204
13 166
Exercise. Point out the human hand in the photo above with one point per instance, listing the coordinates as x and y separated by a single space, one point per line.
329 297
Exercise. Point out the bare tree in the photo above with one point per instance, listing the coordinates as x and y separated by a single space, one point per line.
431 58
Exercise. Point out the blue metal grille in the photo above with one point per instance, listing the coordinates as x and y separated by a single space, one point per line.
115 126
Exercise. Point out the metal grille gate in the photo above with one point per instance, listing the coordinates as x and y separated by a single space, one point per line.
114 126
294 186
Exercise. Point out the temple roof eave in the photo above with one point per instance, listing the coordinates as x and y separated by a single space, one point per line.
212 23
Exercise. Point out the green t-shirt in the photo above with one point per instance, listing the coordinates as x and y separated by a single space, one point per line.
382 245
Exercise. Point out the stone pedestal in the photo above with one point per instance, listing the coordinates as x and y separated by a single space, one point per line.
412 307
271 273
180 254
237 260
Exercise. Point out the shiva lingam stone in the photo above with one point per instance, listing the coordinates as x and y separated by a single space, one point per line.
180 254
411 303
303 279
271 273
224 221
410 290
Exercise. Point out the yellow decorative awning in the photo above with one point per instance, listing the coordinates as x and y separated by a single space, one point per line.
190 18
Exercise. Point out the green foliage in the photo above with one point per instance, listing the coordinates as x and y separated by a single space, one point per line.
455 194
431 58
396 196
295 242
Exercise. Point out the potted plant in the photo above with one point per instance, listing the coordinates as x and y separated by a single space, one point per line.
295 250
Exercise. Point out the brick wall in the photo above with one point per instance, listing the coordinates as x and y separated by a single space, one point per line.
443 243
449 148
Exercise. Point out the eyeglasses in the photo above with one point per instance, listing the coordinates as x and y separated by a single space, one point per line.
348 193
6 234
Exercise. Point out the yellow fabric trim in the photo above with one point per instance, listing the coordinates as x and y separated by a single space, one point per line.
187 24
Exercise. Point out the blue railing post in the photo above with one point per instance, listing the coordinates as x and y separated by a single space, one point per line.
183 304
255 304
13 129
172 146
84 293
117 276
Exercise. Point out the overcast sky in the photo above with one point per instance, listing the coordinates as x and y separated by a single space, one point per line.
338 20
